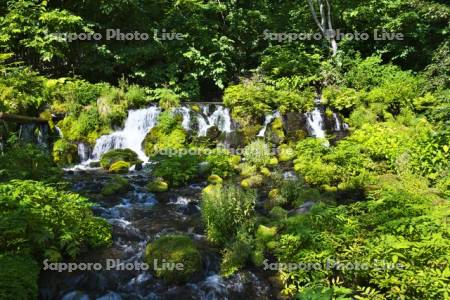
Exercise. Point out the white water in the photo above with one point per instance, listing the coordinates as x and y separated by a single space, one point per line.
337 123
186 113
315 123
220 118
83 152
137 125
268 119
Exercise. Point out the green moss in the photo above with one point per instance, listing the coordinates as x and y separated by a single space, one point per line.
273 161
285 153
235 160
18 277
124 155
65 152
158 186
211 189
278 213
156 141
116 185
266 172
265 234
215 179
120 167
174 249
252 182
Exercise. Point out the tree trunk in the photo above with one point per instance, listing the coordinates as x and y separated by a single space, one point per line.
324 24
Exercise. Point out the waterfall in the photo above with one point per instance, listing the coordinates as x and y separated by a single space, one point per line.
220 118
186 113
59 131
337 123
315 123
83 152
268 119
137 125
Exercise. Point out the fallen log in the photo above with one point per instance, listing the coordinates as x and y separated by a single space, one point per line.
20 119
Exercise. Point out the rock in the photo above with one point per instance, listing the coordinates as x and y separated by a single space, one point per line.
303 209
295 124
119 167
213 133
94 164
181 257
215 179
273 161
117 185
110 296
158 186
266 172
274 132
265 234
211 189
252 182
76 295
138 166
125 155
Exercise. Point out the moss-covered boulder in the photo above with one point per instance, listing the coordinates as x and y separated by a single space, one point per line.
247 170
215 179
213 133
174 258
119 167
117 185
265 171
158 186
65 153
211 189
116 155
265 234
235 160
273 162
252 182
157 141
274 132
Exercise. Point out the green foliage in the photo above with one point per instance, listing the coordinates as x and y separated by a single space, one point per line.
220 162
27 161
257 153
225 210
176 169
42 221
158 186
18 277
257 99
119 167
168 99
402 223
116 155
174 249
65 152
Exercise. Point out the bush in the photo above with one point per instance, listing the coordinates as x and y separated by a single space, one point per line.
65 152
177 169
18 277
38 219
257 153
27 161
225 211
174 249
220 163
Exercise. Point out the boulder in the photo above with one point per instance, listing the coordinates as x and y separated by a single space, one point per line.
125 155
116 185
119 167
252 182
158 186
215 179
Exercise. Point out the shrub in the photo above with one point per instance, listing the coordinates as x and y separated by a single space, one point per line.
257 153
38 219
65 152
177 169
220 163
18 277
174 249
27 161
225 211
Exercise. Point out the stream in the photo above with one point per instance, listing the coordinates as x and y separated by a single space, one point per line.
138 217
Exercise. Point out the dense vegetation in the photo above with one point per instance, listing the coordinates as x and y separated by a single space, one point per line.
378 197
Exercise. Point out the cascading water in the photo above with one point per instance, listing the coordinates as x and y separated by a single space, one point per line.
269 118
220 118
337 122
83 152
137 125
186 113
315 123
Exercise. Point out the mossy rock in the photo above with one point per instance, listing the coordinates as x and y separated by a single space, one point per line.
196 108
250 132
156 141
119 167
265 234
247 170
180 252
266 172
65 153
158 186
285 153
274 193
235 160
252 182
213 133
273 161
125 155
215 179
211 189
117 185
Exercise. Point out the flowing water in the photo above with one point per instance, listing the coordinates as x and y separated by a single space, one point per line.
138 217
316 123
268 119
